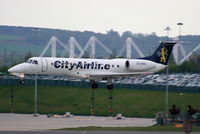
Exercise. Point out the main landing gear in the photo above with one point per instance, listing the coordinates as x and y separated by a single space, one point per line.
94 86
110 97
109 87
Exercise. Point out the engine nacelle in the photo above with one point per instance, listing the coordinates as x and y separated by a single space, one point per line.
139 65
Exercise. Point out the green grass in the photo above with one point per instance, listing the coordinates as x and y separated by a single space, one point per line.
169 128
137 103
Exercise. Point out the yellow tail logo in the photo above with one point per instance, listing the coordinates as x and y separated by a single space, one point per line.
163 54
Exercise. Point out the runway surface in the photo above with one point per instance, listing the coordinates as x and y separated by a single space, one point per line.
87 132
26 122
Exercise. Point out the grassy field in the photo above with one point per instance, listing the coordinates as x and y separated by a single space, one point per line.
129 102
169 128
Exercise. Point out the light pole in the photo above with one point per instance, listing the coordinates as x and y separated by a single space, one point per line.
36 86
167 29
179 45
36 97
167 77
12 96
181 98
179 24
36 30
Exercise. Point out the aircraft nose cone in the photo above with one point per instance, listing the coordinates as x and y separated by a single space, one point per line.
12 69
15 69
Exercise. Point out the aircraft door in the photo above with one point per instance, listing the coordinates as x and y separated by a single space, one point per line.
44 64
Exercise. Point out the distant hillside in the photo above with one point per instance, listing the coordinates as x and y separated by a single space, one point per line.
18 41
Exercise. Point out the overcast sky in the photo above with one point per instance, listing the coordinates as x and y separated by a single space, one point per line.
137 16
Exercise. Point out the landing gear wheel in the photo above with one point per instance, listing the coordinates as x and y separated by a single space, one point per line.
94 85
21 82
110 98
110 87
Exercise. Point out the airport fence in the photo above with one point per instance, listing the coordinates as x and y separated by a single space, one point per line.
84 84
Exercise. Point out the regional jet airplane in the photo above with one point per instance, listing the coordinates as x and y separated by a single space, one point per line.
96 69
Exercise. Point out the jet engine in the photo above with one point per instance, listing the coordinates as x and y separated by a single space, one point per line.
139 65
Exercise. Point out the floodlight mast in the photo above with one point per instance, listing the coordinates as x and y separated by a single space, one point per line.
167 86
36 30
167 29
179 24
36 87
178 47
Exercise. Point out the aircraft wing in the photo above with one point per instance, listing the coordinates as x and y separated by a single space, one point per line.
115 75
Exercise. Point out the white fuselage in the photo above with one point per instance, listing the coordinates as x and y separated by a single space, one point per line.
86 68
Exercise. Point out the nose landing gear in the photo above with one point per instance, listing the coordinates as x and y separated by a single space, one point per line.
110 97
21 82
94 86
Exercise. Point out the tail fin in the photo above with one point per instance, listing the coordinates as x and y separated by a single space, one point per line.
162 53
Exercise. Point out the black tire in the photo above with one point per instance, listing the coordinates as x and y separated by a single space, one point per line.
21 82
110 87
94 85
110 97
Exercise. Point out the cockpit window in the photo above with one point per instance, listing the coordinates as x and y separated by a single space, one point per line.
29 61
35 62
32 62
